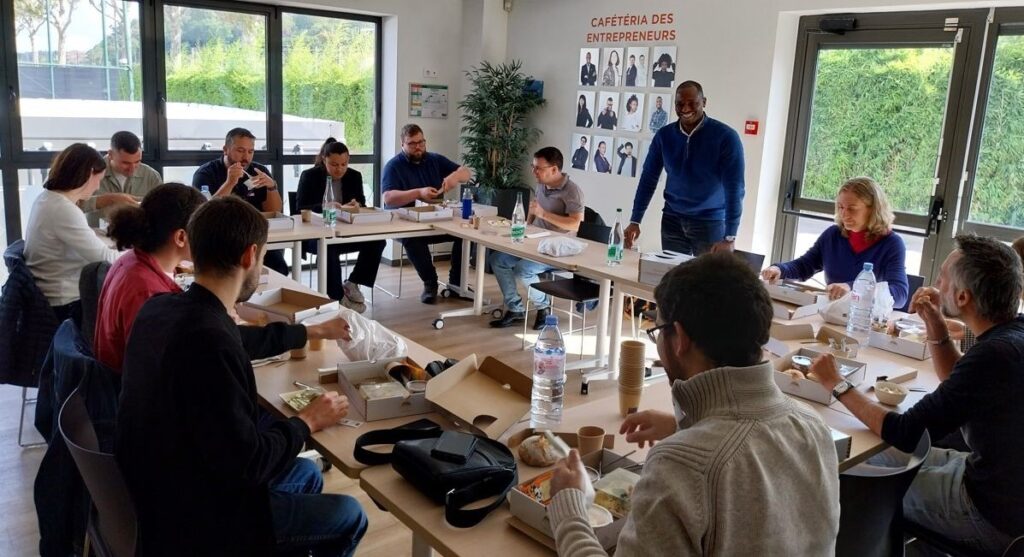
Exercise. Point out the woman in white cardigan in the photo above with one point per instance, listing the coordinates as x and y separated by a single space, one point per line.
58 240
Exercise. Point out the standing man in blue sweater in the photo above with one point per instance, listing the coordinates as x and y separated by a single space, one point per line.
703 159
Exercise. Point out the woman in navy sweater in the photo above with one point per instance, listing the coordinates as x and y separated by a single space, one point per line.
862 234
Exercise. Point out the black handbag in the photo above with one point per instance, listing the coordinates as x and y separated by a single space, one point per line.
490 471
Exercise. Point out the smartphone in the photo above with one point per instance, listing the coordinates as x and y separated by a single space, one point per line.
453 446
422 424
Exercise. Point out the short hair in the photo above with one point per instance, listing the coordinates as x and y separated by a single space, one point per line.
628 144
992 272
221 230
410 130
721 304
550 154
163 211
690 83
237 133
73 167
125 141
867 190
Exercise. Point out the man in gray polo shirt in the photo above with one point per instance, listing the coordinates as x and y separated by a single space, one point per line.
126 181
557 205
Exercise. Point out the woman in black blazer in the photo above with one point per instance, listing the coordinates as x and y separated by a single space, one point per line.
348 190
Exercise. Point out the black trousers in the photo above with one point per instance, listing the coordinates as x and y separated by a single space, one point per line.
365 271
72 311
418 250
275 260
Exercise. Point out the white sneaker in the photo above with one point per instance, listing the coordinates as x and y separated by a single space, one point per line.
353 293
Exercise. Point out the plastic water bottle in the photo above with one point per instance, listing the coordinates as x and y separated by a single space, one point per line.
548 376
467 203
329 212
862 299
616 241
205 190
519 221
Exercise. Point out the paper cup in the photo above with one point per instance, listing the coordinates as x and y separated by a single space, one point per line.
316 344
629 402
589 439
299 353
307 215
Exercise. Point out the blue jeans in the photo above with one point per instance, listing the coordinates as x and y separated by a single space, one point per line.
507 268
304 519
689 236
938 500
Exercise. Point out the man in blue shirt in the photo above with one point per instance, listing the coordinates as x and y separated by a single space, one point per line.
414 174
703 159
658 117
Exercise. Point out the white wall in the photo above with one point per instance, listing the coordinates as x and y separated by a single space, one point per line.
742 51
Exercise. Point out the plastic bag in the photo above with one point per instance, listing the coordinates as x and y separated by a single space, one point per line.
881 310
561 246
370 340
836 312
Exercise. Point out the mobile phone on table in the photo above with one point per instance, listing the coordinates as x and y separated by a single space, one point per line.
453 446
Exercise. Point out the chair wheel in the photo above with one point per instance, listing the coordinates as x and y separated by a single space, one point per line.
497 313
438 324
446 293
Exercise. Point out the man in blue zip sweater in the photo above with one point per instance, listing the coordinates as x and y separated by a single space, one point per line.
703 159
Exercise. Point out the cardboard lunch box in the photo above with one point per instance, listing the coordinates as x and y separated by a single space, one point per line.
531 517
284 305
364 215
855 372
483 211
654 265
349 374
426 213
487 396
570 439
279 221
903 346
780 333
796 293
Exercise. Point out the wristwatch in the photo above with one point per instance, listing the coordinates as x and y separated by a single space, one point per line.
841 388
729 238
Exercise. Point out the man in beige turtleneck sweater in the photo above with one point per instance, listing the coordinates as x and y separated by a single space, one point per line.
742 469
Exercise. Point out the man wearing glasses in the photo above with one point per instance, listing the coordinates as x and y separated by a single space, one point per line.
414 174
557 205
738 460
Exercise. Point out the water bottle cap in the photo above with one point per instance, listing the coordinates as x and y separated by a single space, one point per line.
869 266
551 320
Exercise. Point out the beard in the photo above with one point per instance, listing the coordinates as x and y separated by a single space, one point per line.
252 282
418 157
948 307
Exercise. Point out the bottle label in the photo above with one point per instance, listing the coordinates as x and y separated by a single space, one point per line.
614 252
549 366
518 231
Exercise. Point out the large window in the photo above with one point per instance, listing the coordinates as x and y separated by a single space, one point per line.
79 73
180 74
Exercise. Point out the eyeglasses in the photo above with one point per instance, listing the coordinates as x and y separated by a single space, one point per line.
654 332
416 143
536 168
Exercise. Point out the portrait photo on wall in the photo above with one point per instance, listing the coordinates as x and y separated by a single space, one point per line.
601 155
631 117
611 67
663 66
635 73
579 147
588 66
627 159
584 109
608 110
659 106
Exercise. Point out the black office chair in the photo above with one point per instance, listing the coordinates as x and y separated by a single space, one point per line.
914 282
90 283
871 503
935 540
576 288
113 526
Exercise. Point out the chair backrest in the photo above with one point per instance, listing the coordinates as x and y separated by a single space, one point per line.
591 216
1015 549
114 520
90 283
914 282
871 502
755 260
594 232
292 200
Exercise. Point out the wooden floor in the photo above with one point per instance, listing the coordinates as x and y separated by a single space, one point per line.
386 536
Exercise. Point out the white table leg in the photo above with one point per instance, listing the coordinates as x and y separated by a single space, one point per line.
420 547
297 261
618 300
602 321
481 262
321 265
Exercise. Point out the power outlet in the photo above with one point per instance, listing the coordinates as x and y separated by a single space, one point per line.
429 73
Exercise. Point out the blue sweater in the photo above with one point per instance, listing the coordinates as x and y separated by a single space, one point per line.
705 174
832 252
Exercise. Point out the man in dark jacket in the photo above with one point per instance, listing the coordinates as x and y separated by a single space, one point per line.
205 479
588 72
580 155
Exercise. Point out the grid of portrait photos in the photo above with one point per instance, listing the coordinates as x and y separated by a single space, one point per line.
625 94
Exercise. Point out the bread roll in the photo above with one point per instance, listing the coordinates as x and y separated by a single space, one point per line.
536 451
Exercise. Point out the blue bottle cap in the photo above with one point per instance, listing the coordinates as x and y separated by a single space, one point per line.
551 320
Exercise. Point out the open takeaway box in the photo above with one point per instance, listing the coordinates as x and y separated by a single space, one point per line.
283 305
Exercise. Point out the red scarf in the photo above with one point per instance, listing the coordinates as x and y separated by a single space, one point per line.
859 241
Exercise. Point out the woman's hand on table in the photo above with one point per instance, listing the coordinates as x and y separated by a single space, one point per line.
837 290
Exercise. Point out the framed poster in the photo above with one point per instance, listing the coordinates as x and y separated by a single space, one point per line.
428 101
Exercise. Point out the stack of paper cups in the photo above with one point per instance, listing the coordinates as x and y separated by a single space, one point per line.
631 375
